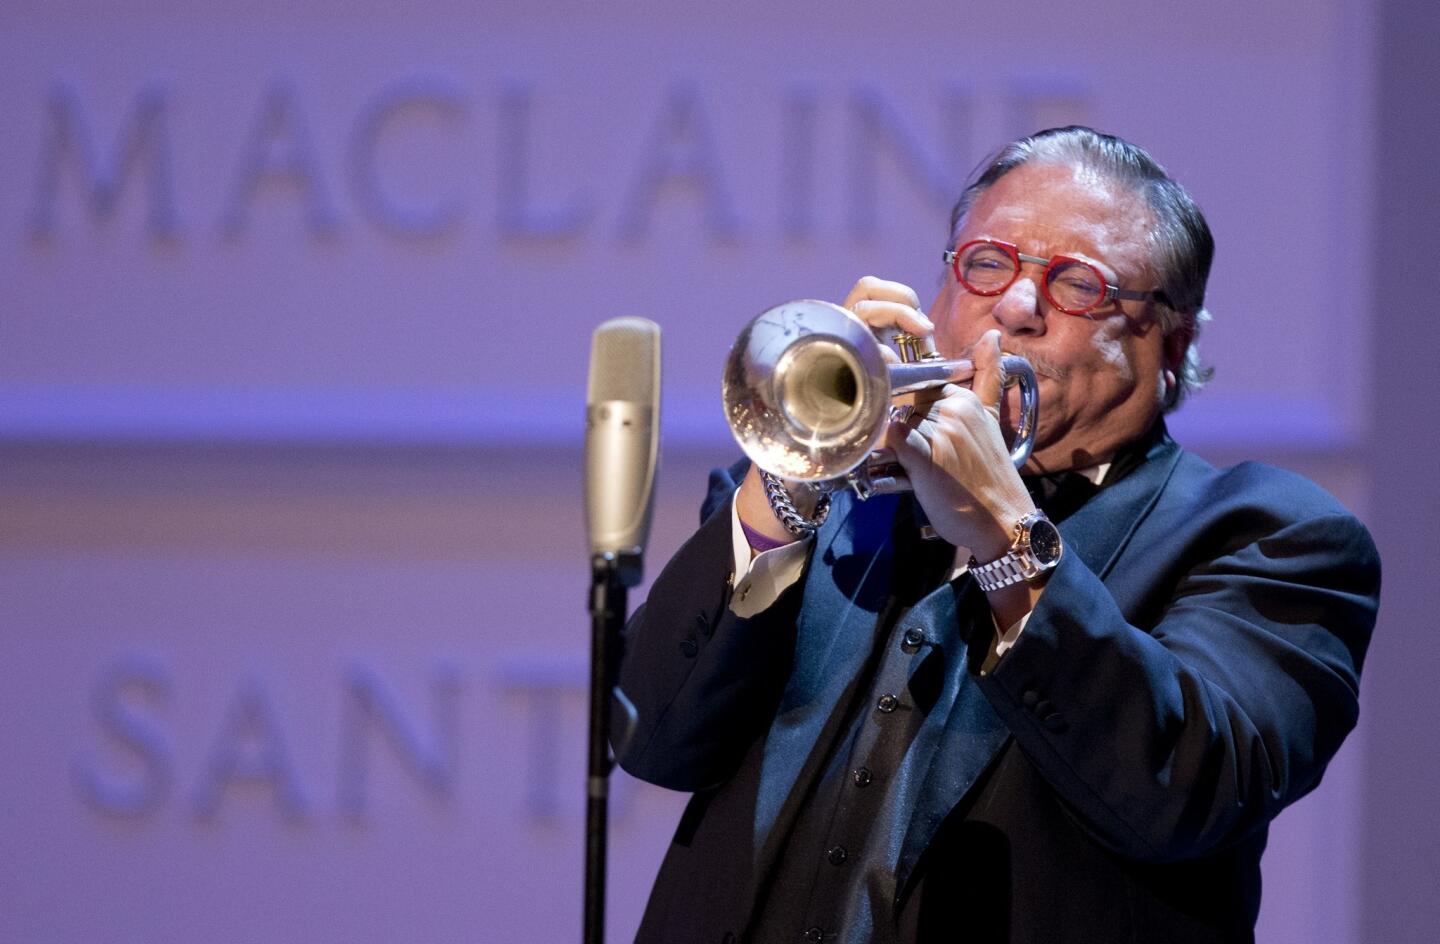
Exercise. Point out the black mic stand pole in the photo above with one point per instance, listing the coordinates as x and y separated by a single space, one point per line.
610 575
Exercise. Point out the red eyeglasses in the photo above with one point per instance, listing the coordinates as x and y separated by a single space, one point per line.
1074 286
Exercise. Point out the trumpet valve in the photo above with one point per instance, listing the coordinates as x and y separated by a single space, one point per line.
909 347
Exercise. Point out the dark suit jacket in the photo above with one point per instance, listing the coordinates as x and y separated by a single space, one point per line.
1190 669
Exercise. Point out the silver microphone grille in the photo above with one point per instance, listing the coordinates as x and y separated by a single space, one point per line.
624 361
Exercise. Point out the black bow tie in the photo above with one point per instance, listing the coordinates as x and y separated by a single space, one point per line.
1060 493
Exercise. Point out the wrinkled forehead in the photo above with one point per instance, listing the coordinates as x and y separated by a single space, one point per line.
1049 208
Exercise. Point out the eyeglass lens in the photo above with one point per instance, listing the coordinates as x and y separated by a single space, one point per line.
1070 284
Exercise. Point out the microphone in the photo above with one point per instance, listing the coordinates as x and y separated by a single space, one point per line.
622 434
622 437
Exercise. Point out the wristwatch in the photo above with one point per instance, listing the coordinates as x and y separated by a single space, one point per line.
1035 551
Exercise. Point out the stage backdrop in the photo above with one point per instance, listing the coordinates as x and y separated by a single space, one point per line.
294 318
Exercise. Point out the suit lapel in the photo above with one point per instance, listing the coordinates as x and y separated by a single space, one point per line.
1099 530
844 593
974 735
852 590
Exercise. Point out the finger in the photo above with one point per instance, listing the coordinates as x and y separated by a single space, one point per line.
893 315
909 444
950 407
884 304
987 371
925 399
960 399
870 288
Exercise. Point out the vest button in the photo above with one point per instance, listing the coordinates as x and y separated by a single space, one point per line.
887 703
837 855
815 936
863 777
912 640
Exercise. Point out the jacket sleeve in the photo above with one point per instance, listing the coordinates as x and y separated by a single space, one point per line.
703 682
1192 729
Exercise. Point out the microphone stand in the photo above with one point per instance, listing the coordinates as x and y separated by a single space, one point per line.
610 575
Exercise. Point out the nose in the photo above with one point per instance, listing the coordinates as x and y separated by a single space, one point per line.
1017 310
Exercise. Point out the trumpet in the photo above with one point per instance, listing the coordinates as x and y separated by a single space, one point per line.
807 396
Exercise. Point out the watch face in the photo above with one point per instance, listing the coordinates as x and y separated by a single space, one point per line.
1044 542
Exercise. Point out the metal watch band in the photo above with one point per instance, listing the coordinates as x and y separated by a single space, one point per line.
998 573
785 510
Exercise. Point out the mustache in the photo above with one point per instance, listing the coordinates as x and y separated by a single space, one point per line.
1043 366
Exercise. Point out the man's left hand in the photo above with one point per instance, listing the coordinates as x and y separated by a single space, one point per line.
958 462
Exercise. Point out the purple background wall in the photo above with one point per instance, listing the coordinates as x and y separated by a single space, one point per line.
294 313
1401 827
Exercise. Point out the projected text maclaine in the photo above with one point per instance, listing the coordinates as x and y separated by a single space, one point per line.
675 153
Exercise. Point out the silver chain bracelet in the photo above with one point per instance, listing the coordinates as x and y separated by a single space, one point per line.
784 509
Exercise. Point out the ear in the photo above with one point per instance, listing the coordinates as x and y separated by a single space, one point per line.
1176 344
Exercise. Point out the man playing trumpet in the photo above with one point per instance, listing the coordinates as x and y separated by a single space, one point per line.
1073 716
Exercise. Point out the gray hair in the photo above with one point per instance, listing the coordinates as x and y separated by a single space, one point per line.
1181 242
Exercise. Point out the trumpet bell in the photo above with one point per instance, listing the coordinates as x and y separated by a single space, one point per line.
806 391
